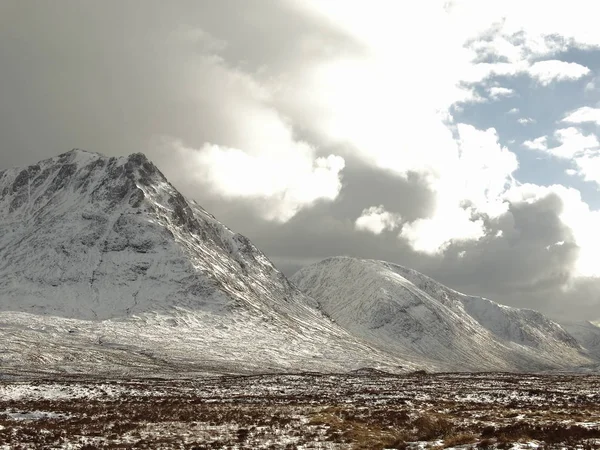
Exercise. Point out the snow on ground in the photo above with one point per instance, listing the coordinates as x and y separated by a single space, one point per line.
32 415
366 409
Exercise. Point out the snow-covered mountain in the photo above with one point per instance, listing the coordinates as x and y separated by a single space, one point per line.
407 314
586 333
105 267
104 264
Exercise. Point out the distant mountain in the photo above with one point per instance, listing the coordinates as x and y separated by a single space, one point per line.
103 264
587 334
407 314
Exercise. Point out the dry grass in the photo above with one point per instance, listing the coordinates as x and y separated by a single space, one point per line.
359 412
459 438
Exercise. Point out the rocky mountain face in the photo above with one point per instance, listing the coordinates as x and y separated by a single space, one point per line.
88 237
105 251
405 313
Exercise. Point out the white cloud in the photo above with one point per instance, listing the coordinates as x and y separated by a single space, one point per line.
468 176
282 183
484 169
553 70
540 143
525 120
478 177
253 120
262 159
582 150
588 166
259 157
583 115
592 85
573 143
376 219
538 35
544 72
496 92
434 235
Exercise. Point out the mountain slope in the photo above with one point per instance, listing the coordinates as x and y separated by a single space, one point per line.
587 334
103 263
407 314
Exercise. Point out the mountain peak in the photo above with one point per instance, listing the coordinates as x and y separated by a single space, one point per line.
76 156
83 220
77 151
82 157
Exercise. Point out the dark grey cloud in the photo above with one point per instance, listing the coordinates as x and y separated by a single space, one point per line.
525 260
327 228
528 264
107 77
527 253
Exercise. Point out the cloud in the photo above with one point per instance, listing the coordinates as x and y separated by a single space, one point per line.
575 214
573 143
582 150
553 70
434 235
525 120
281 184
511 257
473 186
540 143
544 72
591 86
173 90
588 166
486 169
414 132
376 219
260 159
584 114
287 118
496 92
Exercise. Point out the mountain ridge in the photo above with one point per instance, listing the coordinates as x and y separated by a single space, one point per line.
407 313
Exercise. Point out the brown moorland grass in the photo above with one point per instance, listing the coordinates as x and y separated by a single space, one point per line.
361 412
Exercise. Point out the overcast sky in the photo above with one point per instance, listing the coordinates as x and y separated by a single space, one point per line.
459 137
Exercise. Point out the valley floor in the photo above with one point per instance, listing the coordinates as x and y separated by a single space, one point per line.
367 409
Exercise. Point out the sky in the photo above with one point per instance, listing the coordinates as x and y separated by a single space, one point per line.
460 138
